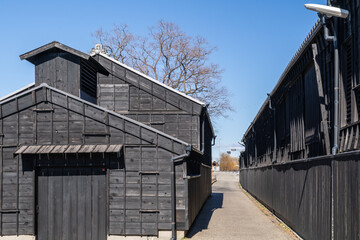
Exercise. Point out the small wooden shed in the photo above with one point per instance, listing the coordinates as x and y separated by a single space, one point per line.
71 169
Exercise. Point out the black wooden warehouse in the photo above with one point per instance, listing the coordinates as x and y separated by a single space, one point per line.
287 162
86 151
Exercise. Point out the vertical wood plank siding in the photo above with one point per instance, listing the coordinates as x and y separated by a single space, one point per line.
303 101
142 100
300 191
300 194
199 189
49 117
60 70
130 192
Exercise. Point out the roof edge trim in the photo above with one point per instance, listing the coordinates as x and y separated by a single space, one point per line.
53 44
317 27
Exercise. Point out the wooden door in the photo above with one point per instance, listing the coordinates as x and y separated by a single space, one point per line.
71 204
149 203
141 207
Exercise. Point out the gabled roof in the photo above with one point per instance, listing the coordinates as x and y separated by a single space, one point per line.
33 55
54 44
26 104
149 78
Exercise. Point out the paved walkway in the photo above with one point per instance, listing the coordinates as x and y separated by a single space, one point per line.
230 214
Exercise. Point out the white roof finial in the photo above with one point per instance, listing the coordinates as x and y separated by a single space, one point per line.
98 49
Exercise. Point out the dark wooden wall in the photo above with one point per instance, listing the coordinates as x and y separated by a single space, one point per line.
295 111
46 116
133 95
60 70
300 194
303 100
17 210
140 193
68 73
297 193
302 119
199 189
347 197
206 139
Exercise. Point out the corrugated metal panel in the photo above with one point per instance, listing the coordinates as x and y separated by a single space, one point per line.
87 148
47 149
101 148
20 150
59 149
114 148
31 149
73 149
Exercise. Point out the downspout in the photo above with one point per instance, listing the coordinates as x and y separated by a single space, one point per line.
214 141
336 111
203 133
175 160
336 81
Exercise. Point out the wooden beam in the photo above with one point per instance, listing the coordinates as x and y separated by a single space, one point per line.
322 99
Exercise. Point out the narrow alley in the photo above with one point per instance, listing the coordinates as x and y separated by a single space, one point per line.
230 214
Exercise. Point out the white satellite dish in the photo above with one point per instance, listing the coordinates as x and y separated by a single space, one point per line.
328 10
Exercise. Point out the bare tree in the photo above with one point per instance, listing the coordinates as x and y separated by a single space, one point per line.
228 163
117 43
170 56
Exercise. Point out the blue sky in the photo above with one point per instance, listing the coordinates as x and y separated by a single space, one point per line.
255 41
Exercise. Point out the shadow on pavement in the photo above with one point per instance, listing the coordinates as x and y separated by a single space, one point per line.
201 222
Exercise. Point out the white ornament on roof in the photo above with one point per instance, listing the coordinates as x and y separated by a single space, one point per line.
98 49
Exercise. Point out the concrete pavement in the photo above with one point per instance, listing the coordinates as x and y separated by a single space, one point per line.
230 214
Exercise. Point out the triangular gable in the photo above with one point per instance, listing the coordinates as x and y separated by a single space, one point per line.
45 93
150 85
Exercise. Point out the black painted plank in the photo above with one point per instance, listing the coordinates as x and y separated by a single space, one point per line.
88 203
299 194
100 200
42 205
73 76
